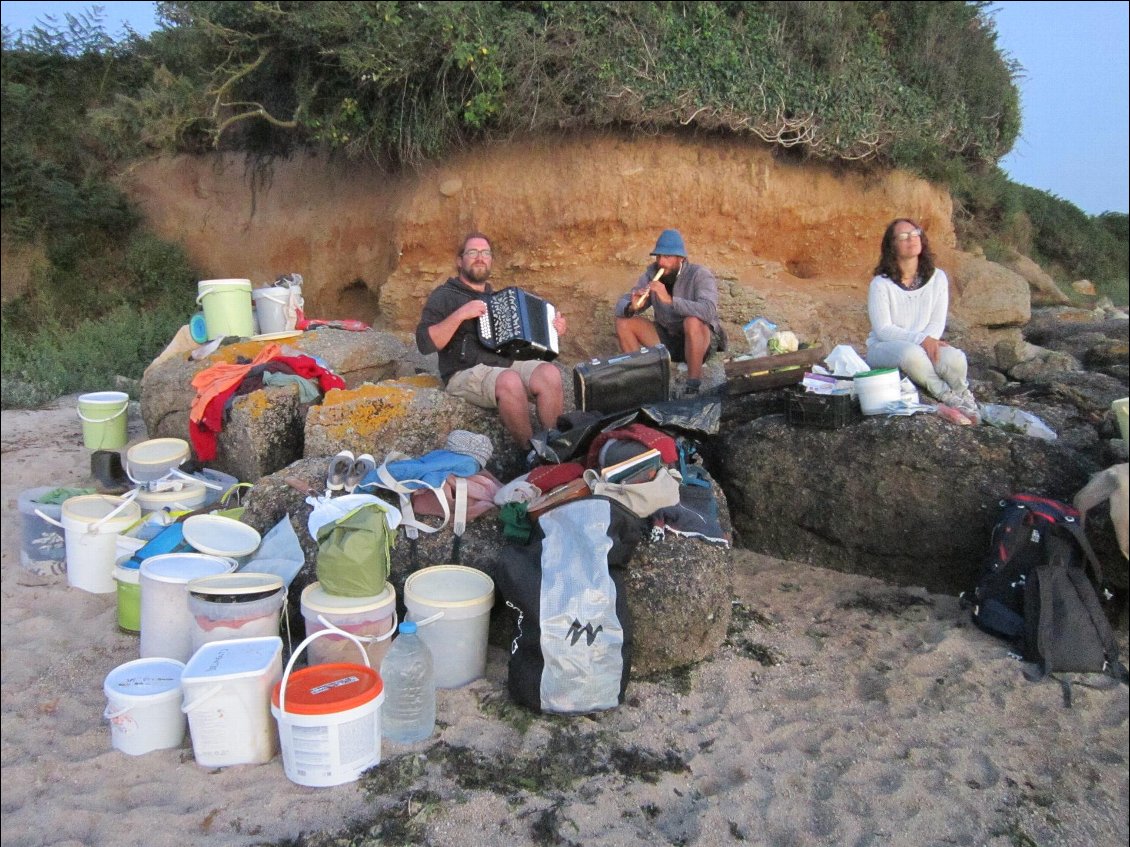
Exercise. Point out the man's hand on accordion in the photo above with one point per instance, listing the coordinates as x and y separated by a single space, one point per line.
471 310
559 323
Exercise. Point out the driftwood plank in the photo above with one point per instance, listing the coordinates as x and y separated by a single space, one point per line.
807 356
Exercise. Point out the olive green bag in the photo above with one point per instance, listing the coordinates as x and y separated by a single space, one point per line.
354 553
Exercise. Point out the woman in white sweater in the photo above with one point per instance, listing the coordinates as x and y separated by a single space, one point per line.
907 303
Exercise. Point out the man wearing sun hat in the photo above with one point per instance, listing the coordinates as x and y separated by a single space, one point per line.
684 297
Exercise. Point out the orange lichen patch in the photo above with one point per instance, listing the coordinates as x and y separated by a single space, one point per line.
364 411
255 404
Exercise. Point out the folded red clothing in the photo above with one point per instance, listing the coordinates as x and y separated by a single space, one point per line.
651 438
548 477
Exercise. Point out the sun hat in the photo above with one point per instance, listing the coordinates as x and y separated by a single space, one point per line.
670 243
471 444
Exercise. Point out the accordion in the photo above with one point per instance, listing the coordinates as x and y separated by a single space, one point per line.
519 325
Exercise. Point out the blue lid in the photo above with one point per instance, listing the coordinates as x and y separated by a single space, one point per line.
407 627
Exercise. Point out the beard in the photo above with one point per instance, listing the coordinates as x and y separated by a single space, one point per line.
478 272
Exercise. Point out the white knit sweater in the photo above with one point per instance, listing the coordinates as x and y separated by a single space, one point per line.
900 315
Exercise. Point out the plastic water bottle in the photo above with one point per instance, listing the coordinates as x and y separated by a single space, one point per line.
409 711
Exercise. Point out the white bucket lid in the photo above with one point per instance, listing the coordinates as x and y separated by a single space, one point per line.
234 658
129 576
237 284
92 508
244 582
317 600
108 397
182 567
220 536
144 678
460 592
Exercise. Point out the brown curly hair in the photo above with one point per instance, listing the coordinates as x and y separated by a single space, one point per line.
888 259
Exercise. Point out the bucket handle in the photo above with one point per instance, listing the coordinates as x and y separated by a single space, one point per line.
50 519
294 657
207 695
431 618
114 416
126 500
109 715
368 639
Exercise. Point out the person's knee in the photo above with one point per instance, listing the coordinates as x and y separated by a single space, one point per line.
546 378
509 386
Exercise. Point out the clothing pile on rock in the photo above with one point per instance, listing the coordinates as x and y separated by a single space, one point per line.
218 385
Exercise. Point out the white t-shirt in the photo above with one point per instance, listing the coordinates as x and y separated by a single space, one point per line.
900 315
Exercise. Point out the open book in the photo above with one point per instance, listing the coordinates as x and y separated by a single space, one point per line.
636 469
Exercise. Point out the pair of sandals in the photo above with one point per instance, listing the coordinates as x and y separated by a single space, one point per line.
346 471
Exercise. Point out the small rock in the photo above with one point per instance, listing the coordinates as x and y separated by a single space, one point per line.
1084 286
451 187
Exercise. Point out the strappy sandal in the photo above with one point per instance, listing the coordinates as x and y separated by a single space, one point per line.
362 465
340 465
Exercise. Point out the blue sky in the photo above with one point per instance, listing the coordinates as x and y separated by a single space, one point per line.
1075 140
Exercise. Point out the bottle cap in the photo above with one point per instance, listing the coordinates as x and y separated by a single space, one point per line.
407 627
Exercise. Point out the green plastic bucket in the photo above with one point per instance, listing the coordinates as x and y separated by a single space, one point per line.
129 596
103 415
227 307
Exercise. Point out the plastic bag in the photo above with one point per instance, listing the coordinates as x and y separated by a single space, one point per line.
1011 419
844 361
693 415
354 553
757 333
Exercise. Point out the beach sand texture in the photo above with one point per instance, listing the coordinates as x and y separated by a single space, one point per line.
842 711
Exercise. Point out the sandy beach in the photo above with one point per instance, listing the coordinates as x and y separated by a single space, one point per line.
841 711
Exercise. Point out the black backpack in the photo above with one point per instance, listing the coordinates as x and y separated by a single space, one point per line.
1035 592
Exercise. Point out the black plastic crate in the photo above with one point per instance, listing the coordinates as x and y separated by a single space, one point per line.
824 411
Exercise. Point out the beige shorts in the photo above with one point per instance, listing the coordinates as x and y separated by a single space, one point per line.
476 384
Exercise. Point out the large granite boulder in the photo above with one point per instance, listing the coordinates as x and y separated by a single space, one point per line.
908 499
987 294
1044 290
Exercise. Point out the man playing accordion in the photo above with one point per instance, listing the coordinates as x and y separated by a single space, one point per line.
449 325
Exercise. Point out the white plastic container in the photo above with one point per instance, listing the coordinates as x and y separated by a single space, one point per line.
458 638
143 705
186 497
270 308
371 619
875 389
234 605
148 461
166 624
91 524
329 718
227 697
1122 415
43 551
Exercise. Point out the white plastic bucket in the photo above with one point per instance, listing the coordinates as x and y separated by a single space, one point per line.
457 639
371 619
270 308
156 458
876 389
227 307
144 705
43 551
234 605
227 697
329 719
1122 413
103 416
184 498
166 624
91 524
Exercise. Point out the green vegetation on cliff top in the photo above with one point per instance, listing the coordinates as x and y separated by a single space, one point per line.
864 84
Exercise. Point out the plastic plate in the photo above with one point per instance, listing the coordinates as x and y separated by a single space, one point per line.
220 536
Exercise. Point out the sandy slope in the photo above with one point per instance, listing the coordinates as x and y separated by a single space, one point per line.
842 711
